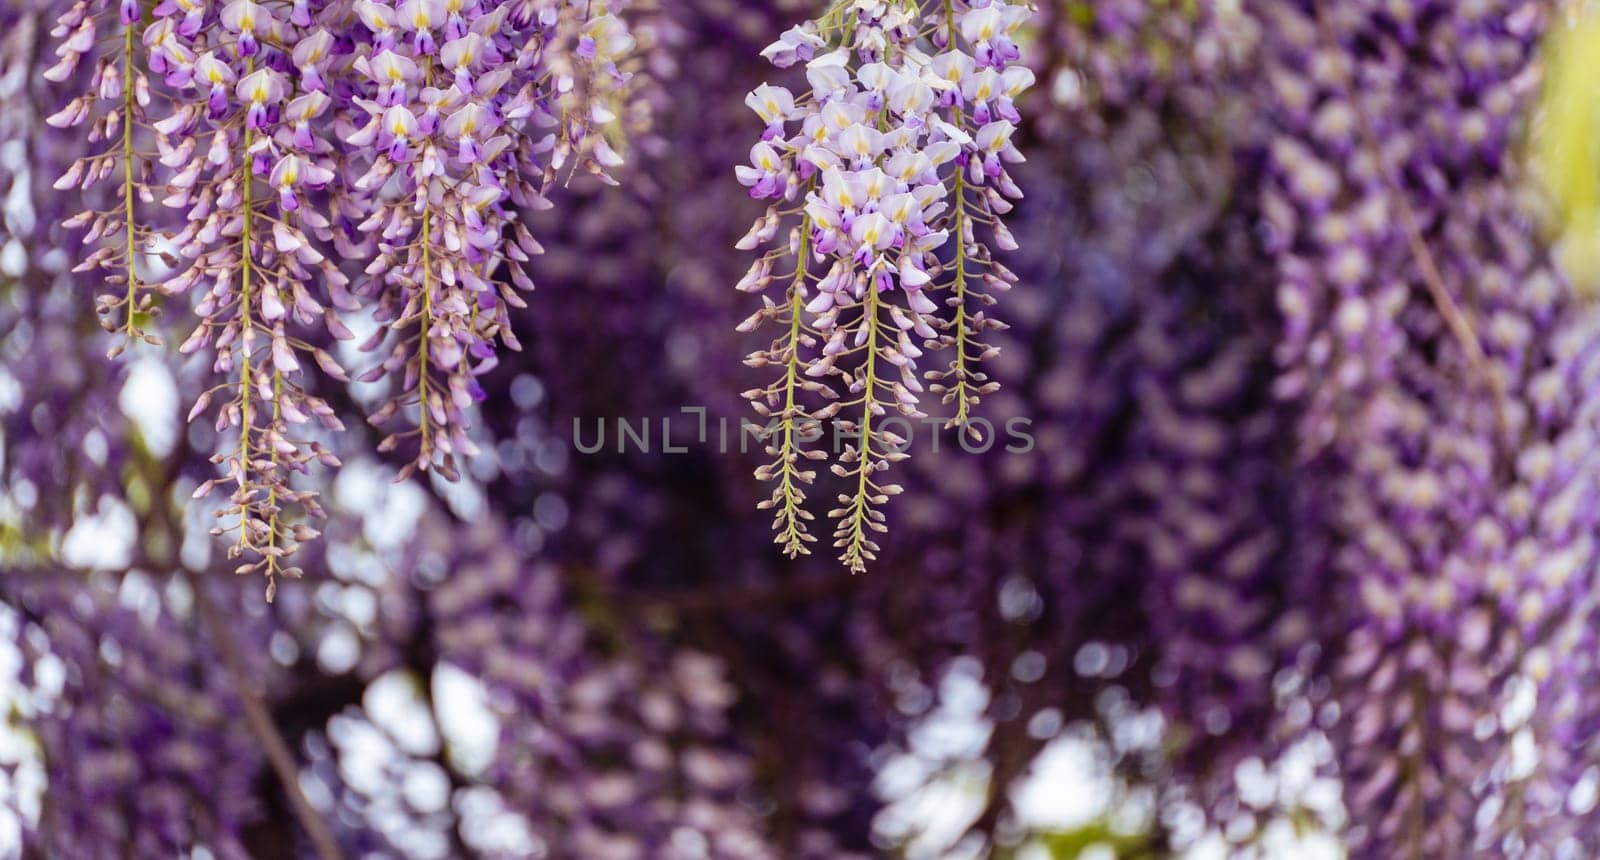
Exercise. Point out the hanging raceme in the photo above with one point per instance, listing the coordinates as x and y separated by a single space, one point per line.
452 104
899 145
114 102
293 142
255 263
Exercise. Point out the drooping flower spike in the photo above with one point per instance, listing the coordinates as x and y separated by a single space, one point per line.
457 102
241 166
259 146
900 145
97 55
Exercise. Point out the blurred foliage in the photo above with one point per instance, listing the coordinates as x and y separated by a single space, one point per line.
1092 840
1565 146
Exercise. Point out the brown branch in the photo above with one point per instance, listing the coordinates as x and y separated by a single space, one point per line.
717 597
257 716
279 756
51 573
1455 318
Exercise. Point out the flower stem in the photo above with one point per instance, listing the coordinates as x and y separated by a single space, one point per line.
425 323
245 326
855 555
127 172
960 287
960 232
793 535
426 319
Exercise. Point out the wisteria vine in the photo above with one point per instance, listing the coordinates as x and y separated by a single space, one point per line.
257 148
899 146
1307 543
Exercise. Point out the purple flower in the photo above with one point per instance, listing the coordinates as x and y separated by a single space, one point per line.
878 158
